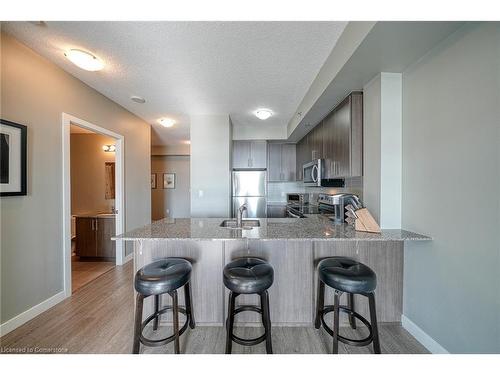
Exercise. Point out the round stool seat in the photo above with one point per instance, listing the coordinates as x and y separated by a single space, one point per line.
347 275
162 276
248 275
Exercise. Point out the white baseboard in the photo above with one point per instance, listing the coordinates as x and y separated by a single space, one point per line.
128 258
29 314
430 344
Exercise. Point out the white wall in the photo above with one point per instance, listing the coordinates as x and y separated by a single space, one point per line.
382 153
211 140
35 92
451 190
243 132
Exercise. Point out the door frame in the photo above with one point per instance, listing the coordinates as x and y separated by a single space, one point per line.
67 120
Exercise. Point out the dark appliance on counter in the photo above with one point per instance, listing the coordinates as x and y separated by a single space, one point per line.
314 175
297 198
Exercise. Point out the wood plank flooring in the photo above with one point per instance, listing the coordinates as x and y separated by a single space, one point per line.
98 318
83 273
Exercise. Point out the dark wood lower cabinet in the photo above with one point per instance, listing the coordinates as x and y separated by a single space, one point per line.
93 237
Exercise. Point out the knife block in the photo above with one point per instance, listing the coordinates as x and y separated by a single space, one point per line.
365 222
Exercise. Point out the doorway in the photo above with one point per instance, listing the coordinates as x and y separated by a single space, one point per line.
92 201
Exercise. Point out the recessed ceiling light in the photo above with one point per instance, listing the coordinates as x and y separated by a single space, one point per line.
138 99
84 60
263 114
166 122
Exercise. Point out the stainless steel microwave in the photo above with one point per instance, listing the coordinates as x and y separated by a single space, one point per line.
314 175
313 172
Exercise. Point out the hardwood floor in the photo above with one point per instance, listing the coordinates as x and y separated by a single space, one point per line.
98 318
83 273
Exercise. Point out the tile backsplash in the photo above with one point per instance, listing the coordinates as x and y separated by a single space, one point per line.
276 191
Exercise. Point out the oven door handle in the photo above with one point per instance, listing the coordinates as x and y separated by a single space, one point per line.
292 214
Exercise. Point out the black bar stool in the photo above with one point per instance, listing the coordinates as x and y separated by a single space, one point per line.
345 275
248 276
161 277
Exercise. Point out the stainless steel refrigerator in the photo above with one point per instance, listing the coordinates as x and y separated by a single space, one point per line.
250 187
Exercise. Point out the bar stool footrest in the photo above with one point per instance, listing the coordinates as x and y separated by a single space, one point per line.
159 342
242 341
354 342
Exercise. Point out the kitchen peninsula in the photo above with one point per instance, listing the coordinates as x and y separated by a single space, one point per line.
292 246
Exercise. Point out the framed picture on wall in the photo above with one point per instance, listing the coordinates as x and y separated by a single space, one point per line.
169 180
13 150
153 181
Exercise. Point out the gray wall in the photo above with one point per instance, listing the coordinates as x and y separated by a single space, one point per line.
211 140
451 190
171 203
35 92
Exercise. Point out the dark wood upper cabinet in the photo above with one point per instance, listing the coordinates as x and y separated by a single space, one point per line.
338 139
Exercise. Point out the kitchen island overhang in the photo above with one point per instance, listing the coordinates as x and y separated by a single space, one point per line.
292 246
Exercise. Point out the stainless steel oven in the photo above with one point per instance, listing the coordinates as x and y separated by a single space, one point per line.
297 198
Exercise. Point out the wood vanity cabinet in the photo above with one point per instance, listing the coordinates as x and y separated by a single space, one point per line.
93 237
250 154
281 162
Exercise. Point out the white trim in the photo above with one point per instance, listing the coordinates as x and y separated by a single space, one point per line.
29 314
67 120
426 340
128 258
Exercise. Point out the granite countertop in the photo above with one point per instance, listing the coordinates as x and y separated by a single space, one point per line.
314 227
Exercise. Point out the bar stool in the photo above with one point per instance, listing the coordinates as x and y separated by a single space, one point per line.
345 275
248 276
158 278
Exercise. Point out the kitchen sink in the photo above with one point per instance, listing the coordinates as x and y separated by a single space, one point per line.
246 224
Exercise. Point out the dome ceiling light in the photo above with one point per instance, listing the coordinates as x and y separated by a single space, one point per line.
84 60
263 114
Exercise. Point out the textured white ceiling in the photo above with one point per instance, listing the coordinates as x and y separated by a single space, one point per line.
184 68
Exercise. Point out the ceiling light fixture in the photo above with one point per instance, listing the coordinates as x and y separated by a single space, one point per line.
263 114
138 99
166 122
84 60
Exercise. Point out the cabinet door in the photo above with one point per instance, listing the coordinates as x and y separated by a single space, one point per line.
329 145
85 237
241 154
276 211
288 161
274 166
105 229
316 141
301 157
258 154
357 134
342 134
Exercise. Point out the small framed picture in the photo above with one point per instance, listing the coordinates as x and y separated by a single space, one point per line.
169 180
153 180
13 151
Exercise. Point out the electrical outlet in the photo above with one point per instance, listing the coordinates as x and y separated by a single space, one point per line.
200 193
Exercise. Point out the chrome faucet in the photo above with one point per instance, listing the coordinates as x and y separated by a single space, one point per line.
239 220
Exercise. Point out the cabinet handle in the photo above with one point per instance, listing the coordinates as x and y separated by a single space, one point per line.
92 224
96 226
